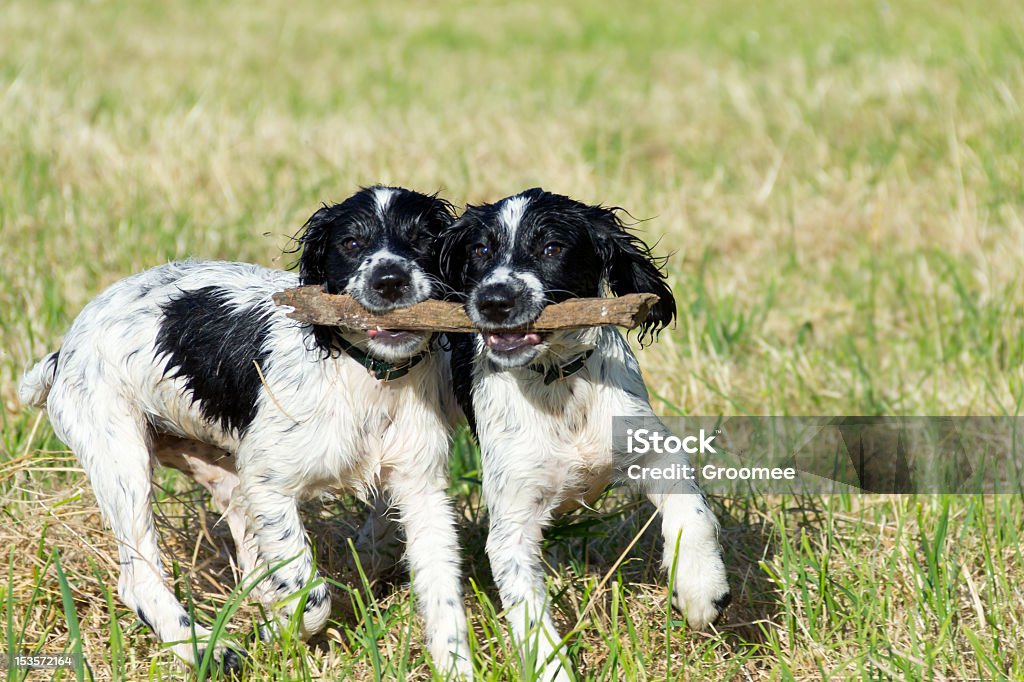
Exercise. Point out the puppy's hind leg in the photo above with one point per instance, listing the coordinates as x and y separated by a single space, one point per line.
114 453
214 469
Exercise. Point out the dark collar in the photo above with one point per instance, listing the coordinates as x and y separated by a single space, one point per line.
383 370
559 372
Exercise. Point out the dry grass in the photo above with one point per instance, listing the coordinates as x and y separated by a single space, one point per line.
840 187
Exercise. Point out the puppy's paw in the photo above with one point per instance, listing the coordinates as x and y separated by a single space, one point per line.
231 660
556 673
460 671
701 612
701 589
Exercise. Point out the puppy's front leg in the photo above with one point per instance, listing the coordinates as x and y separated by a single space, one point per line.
518 513
280 540
432 551
699 586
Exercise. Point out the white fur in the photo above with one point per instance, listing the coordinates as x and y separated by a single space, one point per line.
505 275
500 275
511 214
533 284
322 424
382 198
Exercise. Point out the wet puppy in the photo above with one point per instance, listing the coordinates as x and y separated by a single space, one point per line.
543 405
192 365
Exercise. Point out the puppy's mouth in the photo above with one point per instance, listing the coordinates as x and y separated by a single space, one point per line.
391 337
394 345
511 342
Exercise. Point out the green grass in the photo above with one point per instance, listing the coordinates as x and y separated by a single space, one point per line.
840 187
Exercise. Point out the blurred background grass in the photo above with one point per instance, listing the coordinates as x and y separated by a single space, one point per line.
840 186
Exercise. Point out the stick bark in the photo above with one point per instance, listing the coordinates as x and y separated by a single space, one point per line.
310 304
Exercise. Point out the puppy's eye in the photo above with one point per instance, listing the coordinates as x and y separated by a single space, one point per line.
350 244
553 249
482 250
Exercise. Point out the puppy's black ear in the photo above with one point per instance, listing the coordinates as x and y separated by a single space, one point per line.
450 252
631 268
315 240
440 216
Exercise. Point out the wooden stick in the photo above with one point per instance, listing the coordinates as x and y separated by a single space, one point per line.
312 305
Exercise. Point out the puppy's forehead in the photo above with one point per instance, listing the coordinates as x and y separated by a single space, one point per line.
382 197
406 212
519 217
393 207
510 214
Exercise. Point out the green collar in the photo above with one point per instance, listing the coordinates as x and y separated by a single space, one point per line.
383 370
559 372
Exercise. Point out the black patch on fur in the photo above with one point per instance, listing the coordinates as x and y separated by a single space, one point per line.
463 350
144 619
233 662
280 584
316 597
723 601
261 634
186 622
212 345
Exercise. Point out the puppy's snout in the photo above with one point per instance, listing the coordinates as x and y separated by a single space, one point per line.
496 302
390 282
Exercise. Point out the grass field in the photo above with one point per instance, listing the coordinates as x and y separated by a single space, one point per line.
840 185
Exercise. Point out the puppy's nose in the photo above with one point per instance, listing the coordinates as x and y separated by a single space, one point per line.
390 281
496 302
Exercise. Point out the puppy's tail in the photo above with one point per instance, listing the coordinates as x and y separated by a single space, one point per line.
34 387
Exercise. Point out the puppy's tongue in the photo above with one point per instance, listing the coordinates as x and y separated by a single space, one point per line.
506 343
388 335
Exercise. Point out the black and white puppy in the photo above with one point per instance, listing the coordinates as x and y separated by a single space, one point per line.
192 365
542 405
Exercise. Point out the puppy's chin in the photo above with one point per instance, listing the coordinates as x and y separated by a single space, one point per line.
395 345
508 350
